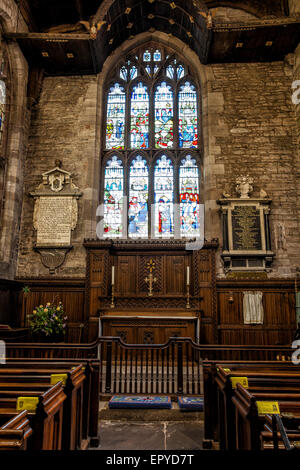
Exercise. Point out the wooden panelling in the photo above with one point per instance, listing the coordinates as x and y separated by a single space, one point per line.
177 266
167 262
279 312
70 293
10 302
126 275
152 331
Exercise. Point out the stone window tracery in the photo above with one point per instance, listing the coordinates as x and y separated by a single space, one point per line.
151 129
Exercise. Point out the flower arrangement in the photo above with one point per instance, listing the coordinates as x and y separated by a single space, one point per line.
48 321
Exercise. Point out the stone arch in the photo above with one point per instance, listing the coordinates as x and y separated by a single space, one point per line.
15 149
209 115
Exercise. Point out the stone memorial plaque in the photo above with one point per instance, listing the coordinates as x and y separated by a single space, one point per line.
55 216
53 220
246 228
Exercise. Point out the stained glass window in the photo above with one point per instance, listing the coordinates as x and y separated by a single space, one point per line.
170 71
147 56
2 107
163 197
180 72
163 116
151 107
189 197
115 124
138 198
113 198
188 122
123 73
133 72
157 56
139 129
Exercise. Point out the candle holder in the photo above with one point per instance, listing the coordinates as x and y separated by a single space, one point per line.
112 305
188 305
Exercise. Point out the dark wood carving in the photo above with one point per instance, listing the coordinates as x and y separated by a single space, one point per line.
143 270
152 303
132 260
148 331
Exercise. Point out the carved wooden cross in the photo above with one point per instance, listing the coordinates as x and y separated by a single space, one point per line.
151 281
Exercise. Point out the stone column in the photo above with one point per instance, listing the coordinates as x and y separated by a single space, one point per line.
18 120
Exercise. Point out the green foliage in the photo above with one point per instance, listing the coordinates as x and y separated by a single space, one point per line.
49 320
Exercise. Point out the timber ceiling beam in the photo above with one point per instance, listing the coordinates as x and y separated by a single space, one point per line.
77 36
49 36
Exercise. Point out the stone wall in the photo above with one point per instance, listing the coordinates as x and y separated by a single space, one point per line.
63 127
249 127
258 138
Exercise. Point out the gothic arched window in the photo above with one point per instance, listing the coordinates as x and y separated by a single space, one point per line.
164 197
152 107
139 117
189 197
163 104
113 198
115 120
138 198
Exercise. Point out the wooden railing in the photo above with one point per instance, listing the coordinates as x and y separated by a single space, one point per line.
53 350
172 368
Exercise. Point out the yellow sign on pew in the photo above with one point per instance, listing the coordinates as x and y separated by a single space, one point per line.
239 380
27 403
268 407
58 377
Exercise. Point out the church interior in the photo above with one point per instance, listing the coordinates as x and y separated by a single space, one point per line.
149 222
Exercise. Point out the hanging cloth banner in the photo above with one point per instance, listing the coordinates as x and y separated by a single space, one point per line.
253 308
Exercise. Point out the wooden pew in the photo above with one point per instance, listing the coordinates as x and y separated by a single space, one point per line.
46 421
15 433
91 386
281 432
248 423
259 380
211 418
73 405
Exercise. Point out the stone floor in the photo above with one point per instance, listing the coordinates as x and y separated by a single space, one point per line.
124 429
169 435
